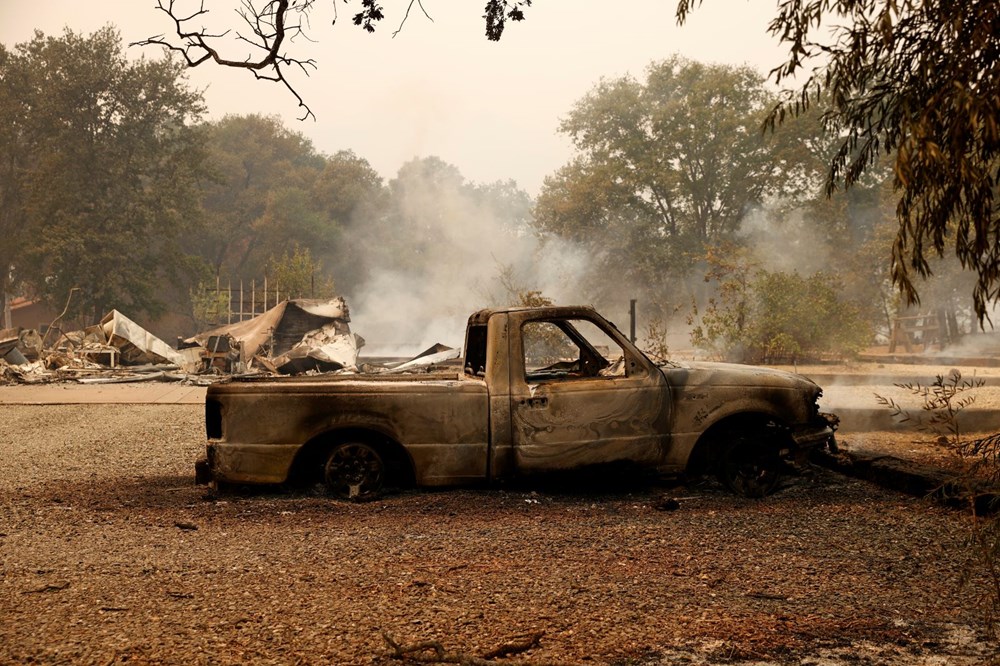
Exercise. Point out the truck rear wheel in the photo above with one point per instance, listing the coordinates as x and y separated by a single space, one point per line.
354 470
750 464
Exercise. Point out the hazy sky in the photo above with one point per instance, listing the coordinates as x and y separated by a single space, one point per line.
440 88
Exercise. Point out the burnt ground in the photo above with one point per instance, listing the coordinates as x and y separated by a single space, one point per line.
109 555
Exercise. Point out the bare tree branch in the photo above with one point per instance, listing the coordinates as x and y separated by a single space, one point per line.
272 21
407 15
269 26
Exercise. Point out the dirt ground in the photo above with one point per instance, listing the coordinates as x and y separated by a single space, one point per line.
109 555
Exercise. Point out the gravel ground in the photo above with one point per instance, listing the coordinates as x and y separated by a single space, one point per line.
109 554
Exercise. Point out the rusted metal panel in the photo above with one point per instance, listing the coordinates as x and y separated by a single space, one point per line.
708 393
497 368
568 423
443 424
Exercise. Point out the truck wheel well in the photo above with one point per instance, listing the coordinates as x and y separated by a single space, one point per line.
707 449
307 468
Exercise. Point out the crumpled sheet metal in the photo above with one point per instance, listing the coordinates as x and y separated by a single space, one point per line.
329 347
342 354
20 345
427 359
137 345
301 334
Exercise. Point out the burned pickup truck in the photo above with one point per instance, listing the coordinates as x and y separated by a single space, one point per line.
539 390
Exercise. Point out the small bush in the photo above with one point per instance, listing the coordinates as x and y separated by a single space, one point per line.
942 403
761 316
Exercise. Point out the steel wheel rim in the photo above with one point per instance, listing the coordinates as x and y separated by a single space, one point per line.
354 471
751 468
753 477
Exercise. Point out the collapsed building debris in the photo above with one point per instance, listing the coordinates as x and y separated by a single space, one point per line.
137 346
116 347
20 349
20 345
29 373
295 336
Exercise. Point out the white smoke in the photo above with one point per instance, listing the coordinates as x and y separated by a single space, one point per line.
784 242
452 268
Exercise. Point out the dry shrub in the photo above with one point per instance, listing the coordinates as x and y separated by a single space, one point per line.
942 403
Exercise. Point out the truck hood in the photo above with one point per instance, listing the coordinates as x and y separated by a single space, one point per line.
704 373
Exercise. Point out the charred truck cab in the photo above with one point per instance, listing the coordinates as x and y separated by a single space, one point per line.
539 390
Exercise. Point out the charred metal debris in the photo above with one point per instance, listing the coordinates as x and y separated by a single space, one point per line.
299 336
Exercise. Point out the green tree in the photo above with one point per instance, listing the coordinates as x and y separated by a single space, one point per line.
355 201
844 235
209 305
296 274
667 165
15 159
259 201
99 161
919 82
349 190
760 316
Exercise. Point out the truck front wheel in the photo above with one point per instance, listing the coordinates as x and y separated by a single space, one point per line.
354 470
750 464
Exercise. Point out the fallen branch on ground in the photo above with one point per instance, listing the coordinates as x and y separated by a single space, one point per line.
47 588
508 649
420 652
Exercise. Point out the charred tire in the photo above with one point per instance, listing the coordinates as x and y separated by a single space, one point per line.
354 471
750 464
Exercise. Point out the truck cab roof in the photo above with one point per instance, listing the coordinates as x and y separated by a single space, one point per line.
480 317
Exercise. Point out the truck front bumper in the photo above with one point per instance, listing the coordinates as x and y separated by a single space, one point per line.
819 432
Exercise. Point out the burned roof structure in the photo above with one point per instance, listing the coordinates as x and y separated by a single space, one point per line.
294 336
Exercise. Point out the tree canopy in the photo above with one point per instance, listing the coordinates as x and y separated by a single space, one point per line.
919 81
763 316
914 81
258 200
99 159
666 166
